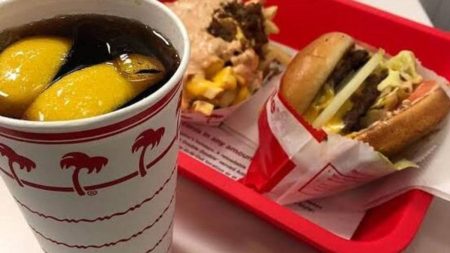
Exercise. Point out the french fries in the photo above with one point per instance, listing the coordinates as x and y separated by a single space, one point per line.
222 90
203 107
223 82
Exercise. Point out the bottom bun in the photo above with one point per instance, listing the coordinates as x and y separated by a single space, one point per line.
396 133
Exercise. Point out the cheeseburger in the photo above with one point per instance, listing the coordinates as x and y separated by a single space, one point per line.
344 88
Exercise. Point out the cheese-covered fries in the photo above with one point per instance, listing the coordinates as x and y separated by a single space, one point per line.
231 53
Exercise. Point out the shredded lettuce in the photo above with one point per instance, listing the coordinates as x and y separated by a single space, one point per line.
405 63
405 164
399 84
401 164
401 81
393 80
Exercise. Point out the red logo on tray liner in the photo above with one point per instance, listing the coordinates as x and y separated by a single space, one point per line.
114 243
14 158
71 161
81 161
146 139
106 217
93 134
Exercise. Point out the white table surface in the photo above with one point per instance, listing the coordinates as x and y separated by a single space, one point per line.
207 223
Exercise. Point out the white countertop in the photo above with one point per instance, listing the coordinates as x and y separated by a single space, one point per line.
198 228
411 9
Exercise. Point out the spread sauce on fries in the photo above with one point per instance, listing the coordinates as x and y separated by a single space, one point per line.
228 60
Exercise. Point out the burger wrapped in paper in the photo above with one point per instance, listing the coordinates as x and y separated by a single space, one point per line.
231 55
342 117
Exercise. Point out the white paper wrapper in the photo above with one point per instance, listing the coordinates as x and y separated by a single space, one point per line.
307 166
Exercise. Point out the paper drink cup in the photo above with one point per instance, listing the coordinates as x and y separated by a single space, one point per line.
103 184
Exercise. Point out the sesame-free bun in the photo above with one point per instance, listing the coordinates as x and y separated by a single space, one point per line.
311 67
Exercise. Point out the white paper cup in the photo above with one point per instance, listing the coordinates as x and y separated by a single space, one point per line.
104 184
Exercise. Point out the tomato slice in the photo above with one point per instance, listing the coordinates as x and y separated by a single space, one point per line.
423 88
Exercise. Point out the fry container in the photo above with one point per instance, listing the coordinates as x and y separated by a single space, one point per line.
221 114
215 119
296 162
103 184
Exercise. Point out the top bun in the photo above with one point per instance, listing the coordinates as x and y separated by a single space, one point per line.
311 67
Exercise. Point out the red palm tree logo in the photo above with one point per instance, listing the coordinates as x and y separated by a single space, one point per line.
143 141
80 161
13 157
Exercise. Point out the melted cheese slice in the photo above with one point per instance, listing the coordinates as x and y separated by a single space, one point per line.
336 124
351 87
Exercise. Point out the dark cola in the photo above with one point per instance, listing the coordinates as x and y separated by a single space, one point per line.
96 39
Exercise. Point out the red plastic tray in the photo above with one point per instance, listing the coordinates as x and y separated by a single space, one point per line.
386 228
